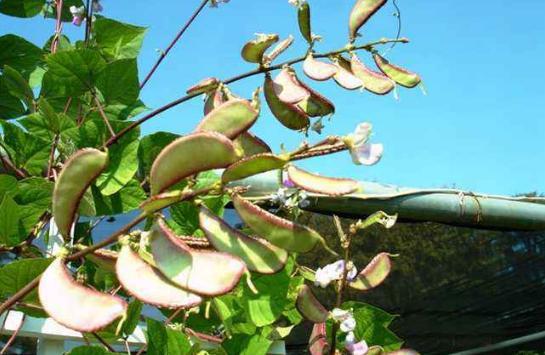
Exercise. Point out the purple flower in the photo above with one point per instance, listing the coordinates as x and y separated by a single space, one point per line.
354 348
78 15
287 182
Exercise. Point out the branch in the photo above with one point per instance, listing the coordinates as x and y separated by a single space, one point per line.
257 71
178 36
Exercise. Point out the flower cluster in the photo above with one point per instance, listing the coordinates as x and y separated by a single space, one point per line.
329 273
361 151
79 13
347 324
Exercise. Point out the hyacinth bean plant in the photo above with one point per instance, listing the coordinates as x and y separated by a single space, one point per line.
73 155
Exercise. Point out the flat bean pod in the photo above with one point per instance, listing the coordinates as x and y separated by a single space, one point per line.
318 70
287 87
400 75
279 231
321 184
374 273
204 86
76 306
203 272
303 20
318 344
254 50
253 165
316 105
361 13
344 77
147 284
289 115
258 254
230 118
178 161
373 81
250 144
308 305
77 174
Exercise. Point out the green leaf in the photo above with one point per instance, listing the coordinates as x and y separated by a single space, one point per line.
8 184
122 112
133 316
63 43
19 53
10 106
18 274
265 307
125 200
66 16
41 125
74 71
11 228
21 8
18 86
27 151
186 216
163 340
89 350
33 195
372 325
247 345
116 39
118 82
150 147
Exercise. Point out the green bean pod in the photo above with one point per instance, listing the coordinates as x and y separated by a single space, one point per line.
361 13
204 86
308 305
73 305
77 174
254 50
374 273
316 105
230 118
249 144
279 231
375 350
147 284
400 75
178 161
289 115
321 184
253 165
373 81
203 272
214 99
258 254
303 19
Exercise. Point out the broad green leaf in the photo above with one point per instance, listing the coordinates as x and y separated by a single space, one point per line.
116 39
150 147
8 184
36 76
11 227
125 200
118 82
290 310
33 195
74 71
27 151
42 126
133 316
18 86
247 345
89 350
186 216
17 274
163 340
10 106
123 112
372 325
265 307
21 8
19 53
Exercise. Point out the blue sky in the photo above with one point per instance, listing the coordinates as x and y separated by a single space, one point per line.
481 127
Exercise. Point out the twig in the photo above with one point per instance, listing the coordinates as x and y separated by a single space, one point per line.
13 336
257 71
58 27
103 115
178 36
103 342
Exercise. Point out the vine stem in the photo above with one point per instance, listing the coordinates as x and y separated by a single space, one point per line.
103 342
345 243
58 27
174 41
109 240
250 73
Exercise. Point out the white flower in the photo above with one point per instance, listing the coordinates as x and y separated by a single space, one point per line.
296 3
303 199
354 348
361 151
345 318
279 196
78 15
324 276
